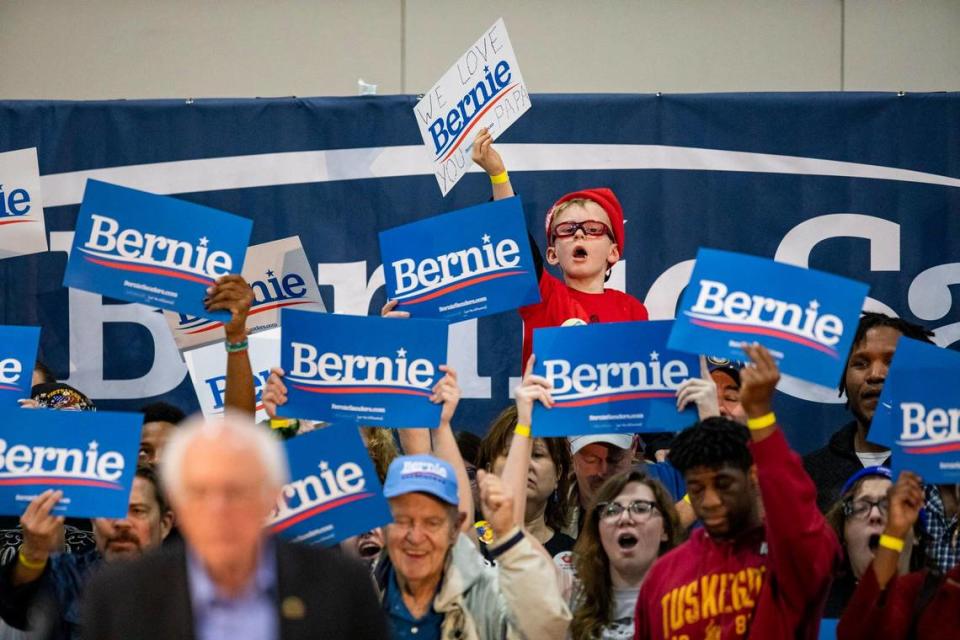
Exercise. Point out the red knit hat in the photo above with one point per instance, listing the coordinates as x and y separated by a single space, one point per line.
607 201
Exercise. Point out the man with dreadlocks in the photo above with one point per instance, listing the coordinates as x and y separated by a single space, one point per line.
761 565
849 450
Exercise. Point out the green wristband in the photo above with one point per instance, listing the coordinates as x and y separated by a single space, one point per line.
236 347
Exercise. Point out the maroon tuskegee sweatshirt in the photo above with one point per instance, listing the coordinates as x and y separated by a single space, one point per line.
770 583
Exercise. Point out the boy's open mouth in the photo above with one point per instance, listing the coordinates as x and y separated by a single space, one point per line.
579 252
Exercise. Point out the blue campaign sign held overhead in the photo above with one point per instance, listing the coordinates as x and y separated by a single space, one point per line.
334 492
18 353
151 249
465 264
918 413
368 370
611 378
90 456
805 318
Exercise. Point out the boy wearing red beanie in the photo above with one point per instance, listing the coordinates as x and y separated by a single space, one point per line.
585 237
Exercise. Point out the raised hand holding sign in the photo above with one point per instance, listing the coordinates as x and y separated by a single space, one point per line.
482 90
42 531
758 381
701 391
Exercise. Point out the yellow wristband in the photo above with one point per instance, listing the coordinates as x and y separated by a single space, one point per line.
894 544
500 178
30 565
522 430
762 422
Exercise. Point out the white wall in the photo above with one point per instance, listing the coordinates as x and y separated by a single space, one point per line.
95 49
892 44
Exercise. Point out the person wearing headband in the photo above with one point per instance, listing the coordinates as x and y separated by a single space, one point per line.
923 605
858 518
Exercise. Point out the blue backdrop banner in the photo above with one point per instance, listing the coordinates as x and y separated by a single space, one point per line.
862 185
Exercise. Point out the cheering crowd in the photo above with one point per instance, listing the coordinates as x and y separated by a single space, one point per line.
717 532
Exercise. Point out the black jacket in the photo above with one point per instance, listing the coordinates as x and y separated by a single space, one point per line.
832 465
321 594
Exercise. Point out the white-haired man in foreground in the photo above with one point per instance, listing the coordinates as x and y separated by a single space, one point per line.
231 579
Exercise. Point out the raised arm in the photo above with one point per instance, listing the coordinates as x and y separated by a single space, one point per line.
490 161
532 388
42 534
531 599
882 600
906 500
22 576
447 391
702 392
803 548
232 293
758 381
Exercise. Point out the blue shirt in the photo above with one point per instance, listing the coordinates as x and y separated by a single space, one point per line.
252 614
669 477
403 626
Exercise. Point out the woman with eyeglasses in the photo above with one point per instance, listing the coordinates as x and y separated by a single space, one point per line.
631 522
921 605
859 518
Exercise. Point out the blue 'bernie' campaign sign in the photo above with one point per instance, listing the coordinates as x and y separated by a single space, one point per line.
371 370
618 377
460 265
805 318
156 250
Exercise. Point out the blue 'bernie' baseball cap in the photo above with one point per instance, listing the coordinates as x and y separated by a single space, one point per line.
421 474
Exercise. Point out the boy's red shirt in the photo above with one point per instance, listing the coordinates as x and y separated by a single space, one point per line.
770 583
559 303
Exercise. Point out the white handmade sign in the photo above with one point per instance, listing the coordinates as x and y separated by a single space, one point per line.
483 89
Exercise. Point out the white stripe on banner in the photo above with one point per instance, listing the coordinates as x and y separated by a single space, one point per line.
269 169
